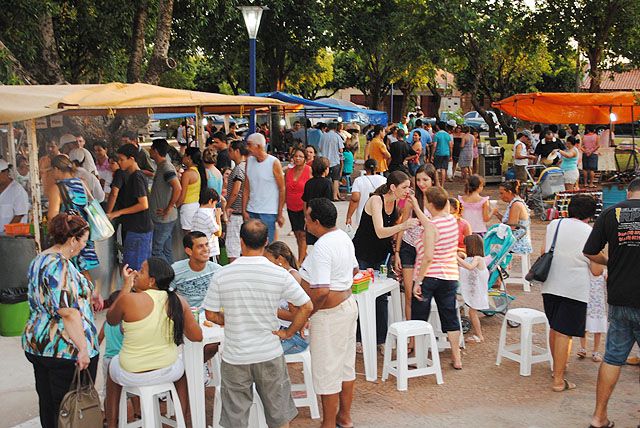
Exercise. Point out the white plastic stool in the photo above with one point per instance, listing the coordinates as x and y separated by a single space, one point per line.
425 341
527 319
442 338
519 277
256 414
150 406
311 400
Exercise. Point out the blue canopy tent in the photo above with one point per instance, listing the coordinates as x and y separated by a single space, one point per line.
331 108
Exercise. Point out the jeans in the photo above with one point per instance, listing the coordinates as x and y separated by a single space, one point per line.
269 220
137 249
53 379
444 292
163 241
382 310
624 329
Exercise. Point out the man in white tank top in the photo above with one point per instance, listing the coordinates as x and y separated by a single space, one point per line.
263 196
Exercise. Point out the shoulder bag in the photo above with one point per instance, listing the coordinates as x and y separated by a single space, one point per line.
80 407
540 269
99 224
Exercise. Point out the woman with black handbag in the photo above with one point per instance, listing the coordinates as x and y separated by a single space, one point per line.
565 300
60 334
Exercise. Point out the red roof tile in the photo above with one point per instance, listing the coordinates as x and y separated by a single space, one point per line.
625 81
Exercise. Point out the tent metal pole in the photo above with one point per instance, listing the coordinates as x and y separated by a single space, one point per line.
199 128
306 130
34 180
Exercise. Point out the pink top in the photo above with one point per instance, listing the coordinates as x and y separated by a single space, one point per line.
589 143
473 213
444 264
295 188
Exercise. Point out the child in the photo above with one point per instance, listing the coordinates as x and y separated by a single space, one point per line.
596 312
347 168
280 254
475 208
474 278
207 220
464 228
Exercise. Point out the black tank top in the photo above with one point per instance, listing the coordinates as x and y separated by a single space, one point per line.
369 247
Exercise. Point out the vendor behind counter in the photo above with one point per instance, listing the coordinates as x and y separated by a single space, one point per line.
14 201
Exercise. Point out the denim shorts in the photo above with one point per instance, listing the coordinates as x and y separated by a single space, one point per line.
293 345
444 292
590 163
624 329
441 162
269 220
137 249
407 255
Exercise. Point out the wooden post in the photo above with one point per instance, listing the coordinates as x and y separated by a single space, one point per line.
11 145
34 180
200 128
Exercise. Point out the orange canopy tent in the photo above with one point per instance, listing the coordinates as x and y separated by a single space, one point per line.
585 108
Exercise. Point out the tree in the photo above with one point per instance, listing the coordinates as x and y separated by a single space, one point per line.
606 31
310 79
497 52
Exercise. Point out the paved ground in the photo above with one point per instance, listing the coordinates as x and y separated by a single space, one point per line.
481 395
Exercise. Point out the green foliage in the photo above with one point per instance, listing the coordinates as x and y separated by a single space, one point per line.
308 81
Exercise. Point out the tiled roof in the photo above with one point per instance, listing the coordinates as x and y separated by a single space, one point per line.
625 81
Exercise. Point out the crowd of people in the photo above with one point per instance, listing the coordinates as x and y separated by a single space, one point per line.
232 196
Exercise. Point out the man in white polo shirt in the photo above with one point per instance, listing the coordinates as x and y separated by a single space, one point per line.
327 275
14 201
249 291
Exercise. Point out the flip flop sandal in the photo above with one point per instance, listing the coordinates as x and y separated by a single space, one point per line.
596 357
454 366
610 424
582 353
567 386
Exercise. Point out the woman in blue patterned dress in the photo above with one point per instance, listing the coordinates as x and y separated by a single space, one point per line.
516 214
73 200
61 332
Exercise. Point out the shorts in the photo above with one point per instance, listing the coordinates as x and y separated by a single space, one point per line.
187 211
296 218
136 249
566 316
232 237
333 347
407 255
269 220
274 388
521 173
590 163
571 176
334 173
154 377
441 162
295 344
444 292
624 329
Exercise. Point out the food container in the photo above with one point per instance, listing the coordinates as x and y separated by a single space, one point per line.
17 229
361 282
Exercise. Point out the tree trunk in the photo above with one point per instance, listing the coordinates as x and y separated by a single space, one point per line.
51 67
595 73
437 97
136 50
158 62
506 123
16 67
483 112
407 95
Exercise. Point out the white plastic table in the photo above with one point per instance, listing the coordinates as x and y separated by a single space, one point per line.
367 313
193 358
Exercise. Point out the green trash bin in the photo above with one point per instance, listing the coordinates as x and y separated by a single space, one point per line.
14 311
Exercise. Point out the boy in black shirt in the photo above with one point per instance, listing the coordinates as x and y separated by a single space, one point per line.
134 214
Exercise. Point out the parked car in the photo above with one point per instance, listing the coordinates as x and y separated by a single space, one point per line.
241 122
474 119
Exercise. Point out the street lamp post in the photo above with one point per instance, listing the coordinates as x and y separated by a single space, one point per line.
252 16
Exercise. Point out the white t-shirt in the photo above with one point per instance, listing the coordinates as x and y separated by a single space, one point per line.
331 262
569 273
204 220
365 185
520 148
13 201
249 291
92 183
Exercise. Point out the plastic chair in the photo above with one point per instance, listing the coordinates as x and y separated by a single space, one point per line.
527 318
311 399
399 333
442 338
519 277
150 406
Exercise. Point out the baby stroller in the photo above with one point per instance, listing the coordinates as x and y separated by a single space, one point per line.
498 242
540 192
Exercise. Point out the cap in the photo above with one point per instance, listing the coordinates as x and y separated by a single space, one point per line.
4 165
77 155
528 134
452 122
67 138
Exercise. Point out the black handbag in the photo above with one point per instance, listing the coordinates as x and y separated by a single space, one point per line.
540 269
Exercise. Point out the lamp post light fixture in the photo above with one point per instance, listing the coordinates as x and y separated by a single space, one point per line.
252 16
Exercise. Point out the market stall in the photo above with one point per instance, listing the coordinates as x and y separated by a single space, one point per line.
31 103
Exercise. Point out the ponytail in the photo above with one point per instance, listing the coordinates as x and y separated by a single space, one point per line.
196 157
162 272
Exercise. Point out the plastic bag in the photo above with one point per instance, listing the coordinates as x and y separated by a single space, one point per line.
13 295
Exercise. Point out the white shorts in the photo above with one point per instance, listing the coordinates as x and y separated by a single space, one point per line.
232 237
333 347
187 211
154 377
571 177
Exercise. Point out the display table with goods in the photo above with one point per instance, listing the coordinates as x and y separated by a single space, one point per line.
490 163
561 205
